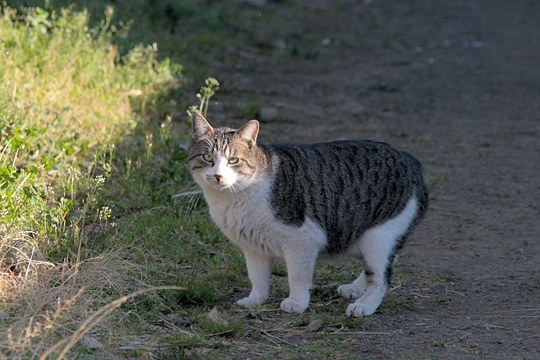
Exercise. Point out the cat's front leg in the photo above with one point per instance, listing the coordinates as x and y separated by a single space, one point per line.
259 267
300 265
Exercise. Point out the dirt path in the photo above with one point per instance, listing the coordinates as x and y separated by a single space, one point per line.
457 83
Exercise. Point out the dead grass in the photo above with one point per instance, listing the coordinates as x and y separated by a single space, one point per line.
46 301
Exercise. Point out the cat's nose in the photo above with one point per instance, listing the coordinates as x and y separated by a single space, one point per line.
218 177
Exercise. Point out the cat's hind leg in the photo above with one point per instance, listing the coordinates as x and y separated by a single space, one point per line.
355 289
259 267
376 283
377 248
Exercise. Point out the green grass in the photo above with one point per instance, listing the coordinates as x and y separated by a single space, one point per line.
67 102
200 35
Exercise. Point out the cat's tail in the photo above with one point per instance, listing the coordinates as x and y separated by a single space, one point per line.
421 191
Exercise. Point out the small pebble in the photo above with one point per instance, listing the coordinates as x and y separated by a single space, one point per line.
91 342
268 114
280 44
314 325
215 315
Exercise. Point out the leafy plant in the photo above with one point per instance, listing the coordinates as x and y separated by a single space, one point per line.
208 90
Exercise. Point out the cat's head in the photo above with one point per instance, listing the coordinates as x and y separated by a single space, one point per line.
224 158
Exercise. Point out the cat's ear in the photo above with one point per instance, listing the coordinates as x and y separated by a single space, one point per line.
249 131
200 126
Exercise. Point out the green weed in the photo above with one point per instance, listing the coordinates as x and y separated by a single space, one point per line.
251 110
209 89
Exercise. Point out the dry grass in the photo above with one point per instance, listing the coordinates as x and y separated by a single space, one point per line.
46 301
53 307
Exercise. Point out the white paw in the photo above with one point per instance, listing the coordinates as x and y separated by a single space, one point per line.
250 301
292 306
362 307
349 291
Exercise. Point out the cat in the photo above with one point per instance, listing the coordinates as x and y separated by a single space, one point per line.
297 202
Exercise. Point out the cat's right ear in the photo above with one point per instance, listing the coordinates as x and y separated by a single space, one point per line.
200 126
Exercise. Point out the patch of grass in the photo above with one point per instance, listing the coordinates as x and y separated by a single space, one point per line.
335 347
251 109
200 35
66 98
219 326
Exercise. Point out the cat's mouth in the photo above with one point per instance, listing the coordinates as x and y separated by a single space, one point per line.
220 186
218 183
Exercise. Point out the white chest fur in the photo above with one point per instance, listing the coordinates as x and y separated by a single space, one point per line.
247 219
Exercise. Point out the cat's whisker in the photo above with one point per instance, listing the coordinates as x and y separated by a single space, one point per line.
190 196
186 194
193 201
188 190
234 191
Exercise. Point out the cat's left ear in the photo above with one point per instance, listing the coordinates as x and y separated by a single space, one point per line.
249 131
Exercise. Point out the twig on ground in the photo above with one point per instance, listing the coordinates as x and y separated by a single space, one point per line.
420 295
264 332
454 292
220 333
357 333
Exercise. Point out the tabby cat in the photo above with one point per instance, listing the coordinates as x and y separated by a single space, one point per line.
296 202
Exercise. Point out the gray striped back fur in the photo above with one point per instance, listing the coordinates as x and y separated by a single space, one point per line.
347 187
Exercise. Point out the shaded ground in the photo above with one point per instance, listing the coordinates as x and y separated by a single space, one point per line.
457 83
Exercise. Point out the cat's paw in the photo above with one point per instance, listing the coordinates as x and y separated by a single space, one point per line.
293 306
362 307
250 301
349 291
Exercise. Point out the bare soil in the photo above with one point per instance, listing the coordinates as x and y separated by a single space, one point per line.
457 83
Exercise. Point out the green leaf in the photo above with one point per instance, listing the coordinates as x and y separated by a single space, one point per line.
48 162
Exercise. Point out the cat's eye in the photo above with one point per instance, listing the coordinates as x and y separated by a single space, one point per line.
233 160
208 158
